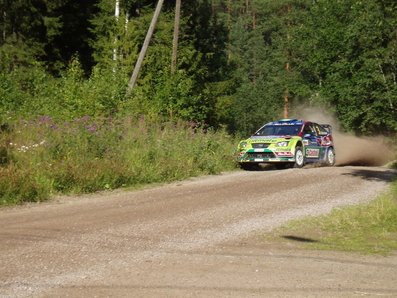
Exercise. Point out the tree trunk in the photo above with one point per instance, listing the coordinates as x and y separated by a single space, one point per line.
116 15
142 54
229 25
176 35
4 25
287 65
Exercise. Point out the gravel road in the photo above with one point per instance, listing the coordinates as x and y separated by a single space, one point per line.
195 238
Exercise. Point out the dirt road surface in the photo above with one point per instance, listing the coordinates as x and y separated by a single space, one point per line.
196 238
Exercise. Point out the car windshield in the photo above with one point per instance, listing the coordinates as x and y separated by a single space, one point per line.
279 130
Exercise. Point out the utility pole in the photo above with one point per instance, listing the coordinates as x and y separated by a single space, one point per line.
176 35
142 54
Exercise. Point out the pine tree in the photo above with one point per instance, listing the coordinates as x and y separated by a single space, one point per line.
261 46
23 33
349 60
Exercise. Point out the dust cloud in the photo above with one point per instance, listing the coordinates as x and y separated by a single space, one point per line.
350 149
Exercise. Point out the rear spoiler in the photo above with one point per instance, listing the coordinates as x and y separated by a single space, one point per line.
327 127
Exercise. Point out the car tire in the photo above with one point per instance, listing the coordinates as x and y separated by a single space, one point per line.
330 157
299 157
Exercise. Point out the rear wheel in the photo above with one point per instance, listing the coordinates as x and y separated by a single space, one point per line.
330 157
299 157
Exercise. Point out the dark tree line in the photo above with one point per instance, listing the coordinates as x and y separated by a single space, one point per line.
240 62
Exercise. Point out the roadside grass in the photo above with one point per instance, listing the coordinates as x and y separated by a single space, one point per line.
42 157
365 229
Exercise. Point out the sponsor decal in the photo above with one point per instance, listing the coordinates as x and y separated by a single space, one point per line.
285 153
326 141
312 152
259 139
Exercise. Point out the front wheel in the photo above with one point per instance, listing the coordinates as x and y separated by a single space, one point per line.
299 157
330 157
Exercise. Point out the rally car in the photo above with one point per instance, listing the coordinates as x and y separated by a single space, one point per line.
288 142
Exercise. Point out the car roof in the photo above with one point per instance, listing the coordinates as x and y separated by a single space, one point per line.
287 122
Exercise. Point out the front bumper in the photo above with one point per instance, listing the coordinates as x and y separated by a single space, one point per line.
265 156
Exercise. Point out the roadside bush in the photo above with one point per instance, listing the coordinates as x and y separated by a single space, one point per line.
18 186
87 155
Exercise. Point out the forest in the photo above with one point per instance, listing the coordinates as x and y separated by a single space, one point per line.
238 61
65 66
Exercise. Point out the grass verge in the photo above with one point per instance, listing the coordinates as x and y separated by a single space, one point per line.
365 229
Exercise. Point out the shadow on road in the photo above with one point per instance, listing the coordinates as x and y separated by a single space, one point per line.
374 175
299 239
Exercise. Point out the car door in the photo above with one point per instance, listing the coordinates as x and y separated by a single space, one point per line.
312 142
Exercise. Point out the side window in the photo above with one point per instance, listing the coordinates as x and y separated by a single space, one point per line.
316 128
321 130
308 129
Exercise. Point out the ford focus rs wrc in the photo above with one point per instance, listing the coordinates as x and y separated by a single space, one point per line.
288 142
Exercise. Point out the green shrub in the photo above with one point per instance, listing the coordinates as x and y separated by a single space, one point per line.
87 155
18 186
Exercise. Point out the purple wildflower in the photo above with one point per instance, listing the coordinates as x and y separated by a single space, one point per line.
45 120
91 128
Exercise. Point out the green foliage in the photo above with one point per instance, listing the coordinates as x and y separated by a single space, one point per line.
349 57
23 91
189 94
44 31
22 34
237 61
261 49
85 155
21 185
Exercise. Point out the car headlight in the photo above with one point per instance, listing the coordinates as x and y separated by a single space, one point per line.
282 144
243 145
